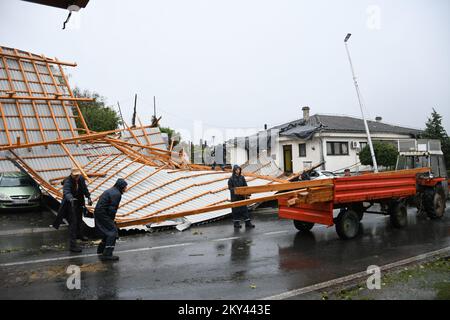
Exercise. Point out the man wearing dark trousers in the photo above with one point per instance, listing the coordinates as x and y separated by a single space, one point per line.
238 213
105 214
74 192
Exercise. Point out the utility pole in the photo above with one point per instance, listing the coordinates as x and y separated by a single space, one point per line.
154 107
361 105
133 120
121 116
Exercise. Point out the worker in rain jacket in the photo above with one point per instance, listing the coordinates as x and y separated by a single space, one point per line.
239 213
105 214
74 191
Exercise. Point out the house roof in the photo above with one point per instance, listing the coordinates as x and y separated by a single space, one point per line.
63 4
331 123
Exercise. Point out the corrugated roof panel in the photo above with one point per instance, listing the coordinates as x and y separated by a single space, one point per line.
4 85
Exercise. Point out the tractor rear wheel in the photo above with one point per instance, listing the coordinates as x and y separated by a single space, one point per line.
303 226
347 224
433 203
439 205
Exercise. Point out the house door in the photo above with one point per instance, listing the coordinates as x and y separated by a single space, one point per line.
287 155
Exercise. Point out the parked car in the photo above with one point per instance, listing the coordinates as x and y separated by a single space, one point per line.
320 174
18 190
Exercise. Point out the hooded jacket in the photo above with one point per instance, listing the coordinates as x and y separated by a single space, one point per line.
71 190
235 181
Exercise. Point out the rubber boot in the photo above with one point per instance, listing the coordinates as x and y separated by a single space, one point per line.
101 247
108 256
237 225
249 225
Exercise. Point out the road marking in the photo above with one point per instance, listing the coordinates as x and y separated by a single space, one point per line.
225 239
90 255
276 232
355 276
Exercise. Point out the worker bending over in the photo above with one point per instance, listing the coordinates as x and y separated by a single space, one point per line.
105 214
74 191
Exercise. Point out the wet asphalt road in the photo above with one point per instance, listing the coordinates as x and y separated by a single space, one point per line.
211 261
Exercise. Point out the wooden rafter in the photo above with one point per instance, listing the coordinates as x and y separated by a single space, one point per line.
112 175
80 115
11 86
5 124
40 59
145 220
75 162
60 94
33 105
170 194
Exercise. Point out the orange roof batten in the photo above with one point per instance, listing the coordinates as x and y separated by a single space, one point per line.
39 59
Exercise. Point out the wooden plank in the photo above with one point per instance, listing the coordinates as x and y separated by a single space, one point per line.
145 220
5 124
75 162
80 115
58 141
34 58
283 186
36 114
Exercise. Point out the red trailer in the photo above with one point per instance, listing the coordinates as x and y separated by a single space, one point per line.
355 196
311 202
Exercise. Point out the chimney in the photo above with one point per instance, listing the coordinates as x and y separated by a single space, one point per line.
265 127
378 119
305 113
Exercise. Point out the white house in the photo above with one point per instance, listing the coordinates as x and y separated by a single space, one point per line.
334 140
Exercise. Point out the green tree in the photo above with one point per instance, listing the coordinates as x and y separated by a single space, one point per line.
385 153
171 134
97 115
435 130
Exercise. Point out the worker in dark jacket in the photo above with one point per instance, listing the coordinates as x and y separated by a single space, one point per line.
238 213
105 214
74 192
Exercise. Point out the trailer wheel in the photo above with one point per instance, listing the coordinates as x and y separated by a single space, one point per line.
398 215
303 226
347 224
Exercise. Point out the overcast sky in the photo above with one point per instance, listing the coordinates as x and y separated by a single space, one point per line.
244 63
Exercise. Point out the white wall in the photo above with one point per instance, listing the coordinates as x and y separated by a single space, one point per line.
238 155
313 151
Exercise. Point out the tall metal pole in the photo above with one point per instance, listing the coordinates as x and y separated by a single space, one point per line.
154 107
361 106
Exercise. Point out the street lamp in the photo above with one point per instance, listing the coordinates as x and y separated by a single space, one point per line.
360 99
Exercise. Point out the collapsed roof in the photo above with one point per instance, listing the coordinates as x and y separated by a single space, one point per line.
39 135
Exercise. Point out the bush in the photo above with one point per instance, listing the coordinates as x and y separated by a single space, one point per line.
385 153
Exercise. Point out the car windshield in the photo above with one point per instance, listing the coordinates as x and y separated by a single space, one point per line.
15 182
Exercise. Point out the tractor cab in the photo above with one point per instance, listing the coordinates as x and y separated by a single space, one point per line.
420 154
432 186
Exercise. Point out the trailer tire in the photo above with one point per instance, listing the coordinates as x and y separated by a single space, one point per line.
347 224
303 226
398 215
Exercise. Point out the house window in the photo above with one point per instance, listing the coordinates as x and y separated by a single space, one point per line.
302 150
337 148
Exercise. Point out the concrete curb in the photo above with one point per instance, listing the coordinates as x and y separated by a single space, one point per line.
355 276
